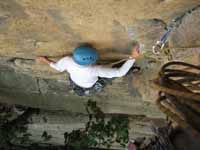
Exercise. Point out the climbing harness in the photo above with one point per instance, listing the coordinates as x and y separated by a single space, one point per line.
179 96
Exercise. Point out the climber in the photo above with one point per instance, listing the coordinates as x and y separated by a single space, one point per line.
84 74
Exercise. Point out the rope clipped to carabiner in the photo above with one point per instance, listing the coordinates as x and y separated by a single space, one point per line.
161 44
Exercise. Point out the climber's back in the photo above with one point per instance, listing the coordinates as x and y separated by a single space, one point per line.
83 69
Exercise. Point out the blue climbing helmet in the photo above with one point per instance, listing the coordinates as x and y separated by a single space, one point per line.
85 55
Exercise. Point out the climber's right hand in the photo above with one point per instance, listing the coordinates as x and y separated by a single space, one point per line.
43 59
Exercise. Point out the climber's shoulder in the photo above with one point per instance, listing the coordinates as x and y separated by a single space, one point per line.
66 59
65 62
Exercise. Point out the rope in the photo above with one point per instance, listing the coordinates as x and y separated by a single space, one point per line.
178 99
159 45
174 117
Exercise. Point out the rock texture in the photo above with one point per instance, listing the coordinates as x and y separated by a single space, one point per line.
57 124
53 28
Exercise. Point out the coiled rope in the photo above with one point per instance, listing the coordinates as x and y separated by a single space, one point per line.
179 96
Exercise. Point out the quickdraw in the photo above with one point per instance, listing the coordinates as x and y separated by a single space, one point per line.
161 44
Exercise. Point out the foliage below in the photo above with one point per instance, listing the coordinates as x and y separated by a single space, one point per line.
46 136
98 130
13 126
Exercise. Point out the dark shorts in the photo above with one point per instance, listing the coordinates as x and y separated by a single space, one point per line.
96 88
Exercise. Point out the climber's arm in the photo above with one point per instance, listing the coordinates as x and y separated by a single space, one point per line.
60 65
119 72
44 59
106 72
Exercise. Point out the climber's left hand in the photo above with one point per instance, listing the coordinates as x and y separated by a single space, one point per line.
135 53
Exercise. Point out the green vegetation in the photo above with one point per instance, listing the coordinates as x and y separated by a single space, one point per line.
46 136
98 130
13 127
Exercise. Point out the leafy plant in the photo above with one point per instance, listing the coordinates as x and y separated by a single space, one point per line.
98 131
46 136
13 127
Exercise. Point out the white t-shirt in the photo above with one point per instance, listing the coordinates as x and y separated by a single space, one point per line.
87 76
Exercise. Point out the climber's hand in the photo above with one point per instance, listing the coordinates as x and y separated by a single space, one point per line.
135 53
43 59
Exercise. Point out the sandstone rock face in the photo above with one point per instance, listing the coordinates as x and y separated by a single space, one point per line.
53 28
186 33
29 28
